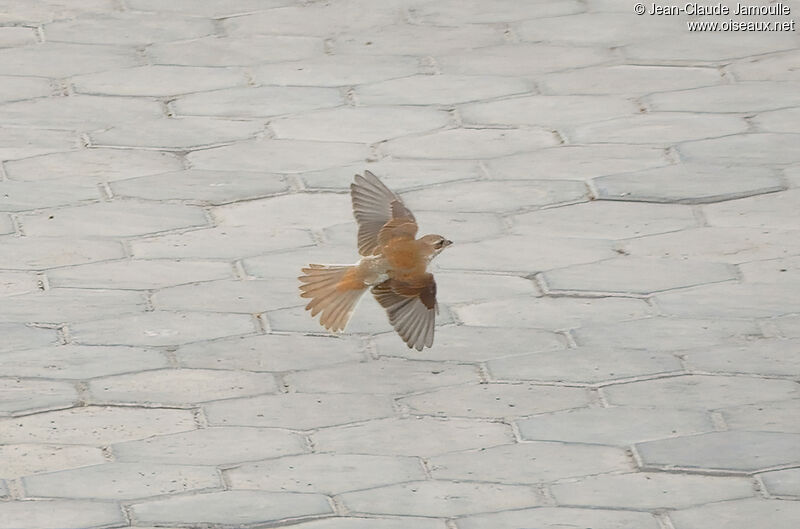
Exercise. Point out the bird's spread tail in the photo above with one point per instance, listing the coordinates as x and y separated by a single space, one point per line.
334 291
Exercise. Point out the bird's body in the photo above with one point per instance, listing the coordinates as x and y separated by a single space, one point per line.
394 265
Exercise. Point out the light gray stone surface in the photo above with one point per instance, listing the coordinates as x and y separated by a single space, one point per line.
617 338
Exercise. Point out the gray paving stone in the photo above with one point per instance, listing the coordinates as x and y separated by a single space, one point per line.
81 112
215 51
291 210
789 326
22 196
95 425
18 88
620 426
392 376
13 283
529 463
272 352
317 20
325 473
440 498
238 507
207 8
161 328
495 196
59 60
26 459
469 144
285 264
17 36
784 120
628 79
775 66
21 396
782 482
689 183
659 128
553 313
775 210
177 134
729 98
438 90
576 162
731 451
408 39
475 344
278 156
641 276
547 111
418 436
112 481
555 516
396 174
650 490
59 514
115 29
772 271
299 411
211 446
92 166
582 365
263 101
700 391
474 11
246 297
6 226
745 149
40 253
739 514
604 220
138 274
730 301
24 142
520 59
158 81
373 523
79 362
335 70
609 29
179 386
705 47
19 337
462 287
496 400
769 417
762 357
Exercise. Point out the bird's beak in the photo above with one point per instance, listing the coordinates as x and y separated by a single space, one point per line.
446 243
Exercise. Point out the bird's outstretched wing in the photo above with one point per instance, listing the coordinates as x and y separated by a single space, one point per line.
411 307
380 214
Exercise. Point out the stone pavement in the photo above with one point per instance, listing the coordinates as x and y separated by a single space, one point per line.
620 325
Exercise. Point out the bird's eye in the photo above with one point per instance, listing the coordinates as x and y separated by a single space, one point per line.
439 244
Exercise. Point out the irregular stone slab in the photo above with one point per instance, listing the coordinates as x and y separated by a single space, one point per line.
775 210
14 283
495 196
626 79
263 101
77 361
529 463
474 344
81 112
325 473
92 166
396 174
660 128
158 81
639 276
181 134
18 88
770 417
335 70
278 156
746 149
784 120
555 516
211 187
391 376
231 507
604 220
689 183
614 426
287 264
60 60
291 211
18 337
161 328
20 396
582 365
300 411
548 111
25 253
699 391
782 482
467 144
732 451
772 271
496 400
95 425
215 51
419 436
18 142
113 481
789 326
520 59
271 352
26 459
729 301
553 313
359 125
116 29
373 523
59 514
211 446
208 8
180 386
319 20
729 98
651 490
407 39
6 226
475 11
138 274
246 297
21 196
16 36
576 162
739 514
775 66
458 287
702 47
610 29
438 90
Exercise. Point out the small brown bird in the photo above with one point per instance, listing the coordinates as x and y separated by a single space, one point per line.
394 264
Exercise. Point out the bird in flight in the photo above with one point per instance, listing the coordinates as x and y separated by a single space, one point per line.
394 264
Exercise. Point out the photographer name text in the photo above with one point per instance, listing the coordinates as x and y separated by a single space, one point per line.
693 8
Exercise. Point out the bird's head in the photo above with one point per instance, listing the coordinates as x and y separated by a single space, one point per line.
435 244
